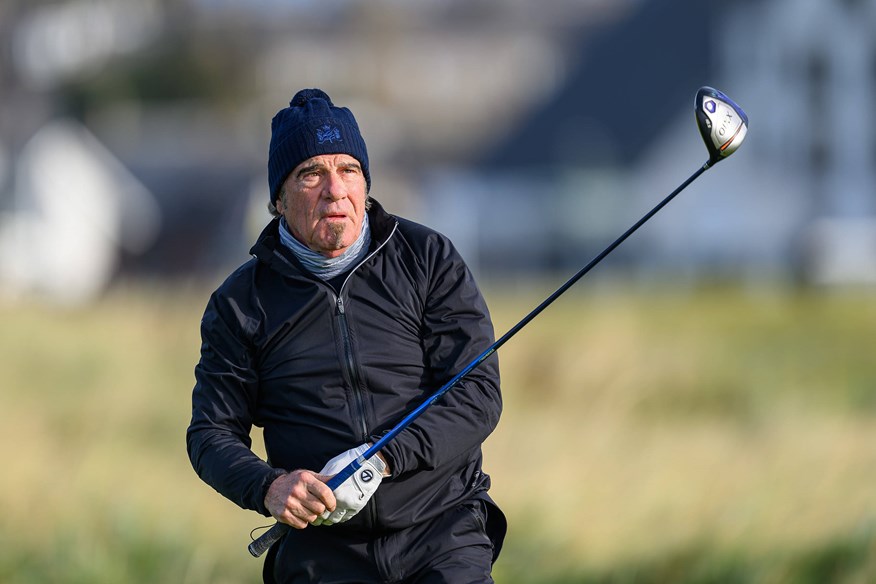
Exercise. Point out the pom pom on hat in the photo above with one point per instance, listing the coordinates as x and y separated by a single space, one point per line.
305 94
310 126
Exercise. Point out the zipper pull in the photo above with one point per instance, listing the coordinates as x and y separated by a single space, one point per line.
340 305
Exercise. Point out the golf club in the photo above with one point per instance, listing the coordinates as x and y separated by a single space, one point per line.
723 126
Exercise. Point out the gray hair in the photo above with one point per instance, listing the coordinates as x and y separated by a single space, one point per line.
272 208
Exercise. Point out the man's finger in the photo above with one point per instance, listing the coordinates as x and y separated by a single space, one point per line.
313 506
292 520
321 490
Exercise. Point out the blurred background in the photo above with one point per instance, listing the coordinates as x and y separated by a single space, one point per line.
700 409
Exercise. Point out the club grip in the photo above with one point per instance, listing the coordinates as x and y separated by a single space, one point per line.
264 542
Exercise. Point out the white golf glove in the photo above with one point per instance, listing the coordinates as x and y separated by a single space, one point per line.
337 464
353 493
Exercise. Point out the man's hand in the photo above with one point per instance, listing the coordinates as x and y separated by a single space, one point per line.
353 494
299 497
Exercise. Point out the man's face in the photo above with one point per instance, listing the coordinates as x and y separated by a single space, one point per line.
324 202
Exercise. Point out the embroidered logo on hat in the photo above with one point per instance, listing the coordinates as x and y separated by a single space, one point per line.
326 133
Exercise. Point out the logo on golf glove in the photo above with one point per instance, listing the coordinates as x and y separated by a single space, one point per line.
353 494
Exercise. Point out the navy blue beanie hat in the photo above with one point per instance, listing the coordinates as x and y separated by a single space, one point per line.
310 126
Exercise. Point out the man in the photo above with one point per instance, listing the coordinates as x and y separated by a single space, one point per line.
345 319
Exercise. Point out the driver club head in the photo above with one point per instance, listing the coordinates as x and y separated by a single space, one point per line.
722 123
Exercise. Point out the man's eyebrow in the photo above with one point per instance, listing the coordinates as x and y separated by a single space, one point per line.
319 166
309 168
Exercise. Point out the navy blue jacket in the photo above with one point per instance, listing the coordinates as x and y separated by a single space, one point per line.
324 368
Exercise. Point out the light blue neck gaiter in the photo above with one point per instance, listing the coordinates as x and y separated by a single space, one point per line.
320 266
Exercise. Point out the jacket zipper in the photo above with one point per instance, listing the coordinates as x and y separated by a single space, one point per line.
351 368
350 362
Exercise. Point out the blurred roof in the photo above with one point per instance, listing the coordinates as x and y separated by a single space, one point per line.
621 94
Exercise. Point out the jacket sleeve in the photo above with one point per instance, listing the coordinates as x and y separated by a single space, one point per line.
456 330
223 399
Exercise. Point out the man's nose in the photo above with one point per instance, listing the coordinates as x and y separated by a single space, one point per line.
334 186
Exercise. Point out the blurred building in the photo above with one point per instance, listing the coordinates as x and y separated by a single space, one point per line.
531 131
809 69
796 203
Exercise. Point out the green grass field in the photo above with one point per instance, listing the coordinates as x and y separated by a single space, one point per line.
712 436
